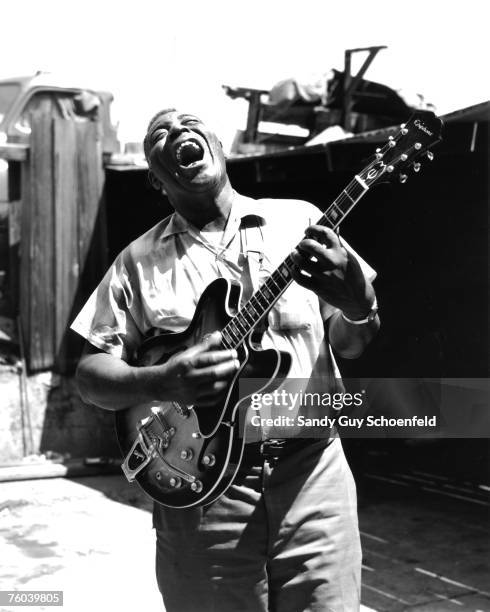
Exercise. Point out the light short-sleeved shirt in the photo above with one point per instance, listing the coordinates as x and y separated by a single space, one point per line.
156 282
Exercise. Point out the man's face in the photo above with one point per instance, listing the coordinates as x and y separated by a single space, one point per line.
183 155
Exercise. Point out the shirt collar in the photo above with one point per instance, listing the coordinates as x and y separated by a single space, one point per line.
242 206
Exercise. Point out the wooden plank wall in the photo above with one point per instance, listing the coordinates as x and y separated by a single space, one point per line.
63 249
66 265
38 254
92 233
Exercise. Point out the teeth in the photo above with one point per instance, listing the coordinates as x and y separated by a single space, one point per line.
187 143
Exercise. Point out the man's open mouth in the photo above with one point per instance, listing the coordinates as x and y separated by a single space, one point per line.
189 152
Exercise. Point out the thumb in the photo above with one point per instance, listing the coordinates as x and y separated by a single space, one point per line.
212 340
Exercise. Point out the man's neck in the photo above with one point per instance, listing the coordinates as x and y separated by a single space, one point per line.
207 212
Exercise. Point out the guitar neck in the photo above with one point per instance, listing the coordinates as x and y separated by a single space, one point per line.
261 302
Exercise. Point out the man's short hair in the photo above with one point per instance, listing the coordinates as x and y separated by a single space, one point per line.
150 124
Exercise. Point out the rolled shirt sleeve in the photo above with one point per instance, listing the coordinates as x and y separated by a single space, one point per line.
111 319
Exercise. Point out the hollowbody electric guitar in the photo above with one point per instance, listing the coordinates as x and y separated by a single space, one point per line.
184 456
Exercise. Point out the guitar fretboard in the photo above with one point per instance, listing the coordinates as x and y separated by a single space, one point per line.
274 286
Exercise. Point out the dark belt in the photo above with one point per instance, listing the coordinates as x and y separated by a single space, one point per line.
278 448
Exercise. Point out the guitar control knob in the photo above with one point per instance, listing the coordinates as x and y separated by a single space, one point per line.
403 178
175 482
430 155
186 454
209 460
196 486
196 435
416 167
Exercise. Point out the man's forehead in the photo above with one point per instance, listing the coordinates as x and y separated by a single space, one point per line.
167 117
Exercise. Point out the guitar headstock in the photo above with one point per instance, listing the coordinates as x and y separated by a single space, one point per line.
406 150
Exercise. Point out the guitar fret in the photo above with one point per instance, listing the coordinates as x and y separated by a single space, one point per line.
282 275
356 190
245 312
279 280
231 330
265 292
348 195
229 340
259 307
254 311
224 341
327 221
289 263
239 323
271 277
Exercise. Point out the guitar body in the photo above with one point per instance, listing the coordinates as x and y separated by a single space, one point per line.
195 452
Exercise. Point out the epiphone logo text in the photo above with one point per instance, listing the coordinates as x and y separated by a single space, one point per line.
422 127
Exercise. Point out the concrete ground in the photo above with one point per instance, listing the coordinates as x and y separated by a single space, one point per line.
426 544
72 535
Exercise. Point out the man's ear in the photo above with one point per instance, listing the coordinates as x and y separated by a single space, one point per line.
223 150
155 183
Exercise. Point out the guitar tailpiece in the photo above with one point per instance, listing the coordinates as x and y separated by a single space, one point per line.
153 437
138 457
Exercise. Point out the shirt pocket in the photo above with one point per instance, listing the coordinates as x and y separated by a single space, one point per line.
296 309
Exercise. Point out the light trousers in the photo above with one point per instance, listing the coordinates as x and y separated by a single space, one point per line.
283 538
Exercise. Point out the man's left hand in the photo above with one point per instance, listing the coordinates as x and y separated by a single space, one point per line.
332 272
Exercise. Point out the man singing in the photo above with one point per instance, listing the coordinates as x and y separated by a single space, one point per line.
284 536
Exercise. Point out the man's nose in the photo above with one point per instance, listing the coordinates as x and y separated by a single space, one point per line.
176 129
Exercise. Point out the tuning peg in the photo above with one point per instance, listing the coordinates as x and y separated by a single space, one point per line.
403 178
417 146
390 168
391 141
404 157
416 166
379 155
430 155
403 129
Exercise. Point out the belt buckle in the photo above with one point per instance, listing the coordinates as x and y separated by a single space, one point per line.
272 447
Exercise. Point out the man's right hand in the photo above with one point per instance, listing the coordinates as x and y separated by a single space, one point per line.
196 376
